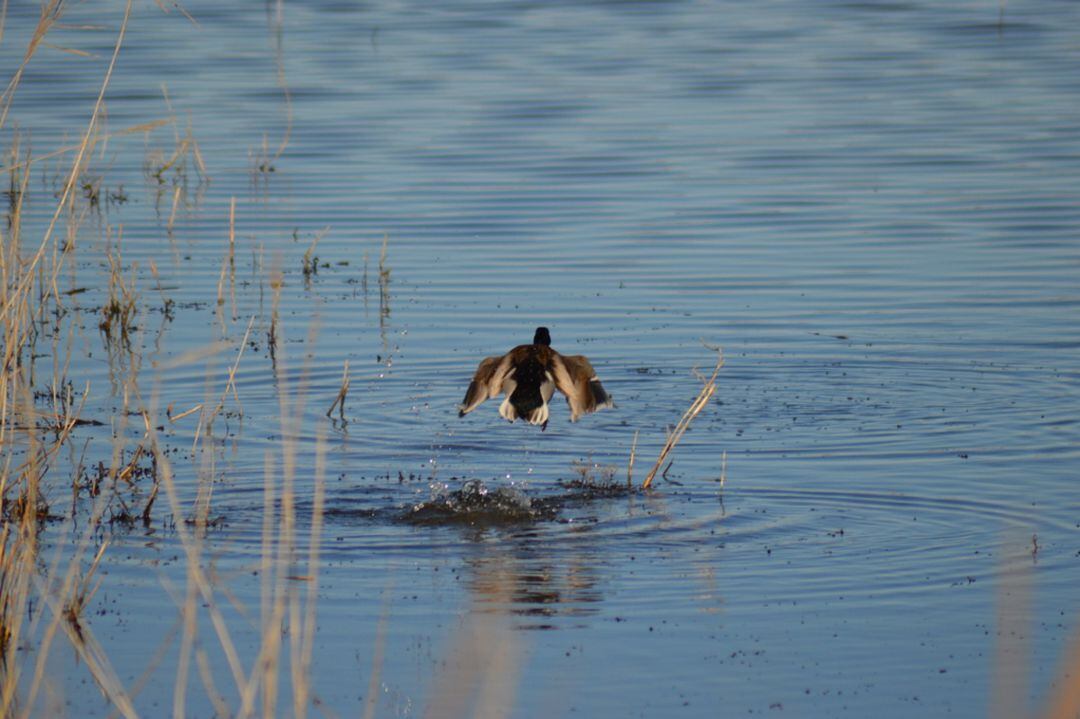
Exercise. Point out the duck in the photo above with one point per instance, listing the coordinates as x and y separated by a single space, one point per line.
529 375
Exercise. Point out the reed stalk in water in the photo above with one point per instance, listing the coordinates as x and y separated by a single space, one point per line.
691 412
339 401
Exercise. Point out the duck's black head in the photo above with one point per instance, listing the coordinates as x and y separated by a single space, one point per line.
542 336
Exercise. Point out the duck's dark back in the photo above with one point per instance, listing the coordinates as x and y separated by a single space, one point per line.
531 365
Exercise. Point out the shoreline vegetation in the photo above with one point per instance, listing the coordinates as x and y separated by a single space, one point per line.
47 597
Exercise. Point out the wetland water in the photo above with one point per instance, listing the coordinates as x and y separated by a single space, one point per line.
872 207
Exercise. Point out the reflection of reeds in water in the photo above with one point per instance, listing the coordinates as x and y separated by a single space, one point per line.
228 273
384 296
309 265
482 665
175 165
1064 699
118 314
276 282
1010 684
262 163
213 411
364 284
173 169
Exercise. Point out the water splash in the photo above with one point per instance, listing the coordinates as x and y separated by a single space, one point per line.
475 503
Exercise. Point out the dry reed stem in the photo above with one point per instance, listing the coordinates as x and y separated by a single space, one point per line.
692 411
67 149
50 13
78 593
68 50
173 5
279 62
207 418
196 153
384 281
175 206
63 429
188 611
76 168
302 664
17 565
129 468
198 582
280 599
3 19
10 267
310 261
83 640
264 667
232 232
1064 701
299 676
176 128
206 674
97 662
18 538
630 464
177 417
339 401
371 699
221 289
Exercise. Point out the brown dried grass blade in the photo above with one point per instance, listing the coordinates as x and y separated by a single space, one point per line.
692 411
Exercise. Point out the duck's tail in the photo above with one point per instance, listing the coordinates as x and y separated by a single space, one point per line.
528 405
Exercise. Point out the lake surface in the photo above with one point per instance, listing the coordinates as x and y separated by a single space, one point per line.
871 207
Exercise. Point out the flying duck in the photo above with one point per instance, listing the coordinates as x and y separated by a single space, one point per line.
528 375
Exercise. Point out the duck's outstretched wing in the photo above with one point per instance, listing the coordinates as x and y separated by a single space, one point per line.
577 379
486 383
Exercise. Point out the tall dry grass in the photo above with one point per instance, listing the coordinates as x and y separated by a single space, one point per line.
45 600
28 288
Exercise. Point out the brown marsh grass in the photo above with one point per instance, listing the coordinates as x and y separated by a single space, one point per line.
65 587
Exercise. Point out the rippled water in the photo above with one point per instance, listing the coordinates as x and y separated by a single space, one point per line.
871 207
